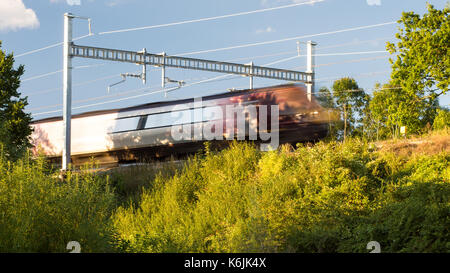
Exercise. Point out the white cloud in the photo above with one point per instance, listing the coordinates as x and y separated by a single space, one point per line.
69 2
14 15
265 30
374 2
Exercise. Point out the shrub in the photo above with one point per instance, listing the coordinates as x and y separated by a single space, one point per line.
442 120
324 198
41 213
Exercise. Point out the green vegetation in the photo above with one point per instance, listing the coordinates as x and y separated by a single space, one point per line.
40 213
14 122
327 198
422 66
330 197
350 101
420 74
392 108
442 119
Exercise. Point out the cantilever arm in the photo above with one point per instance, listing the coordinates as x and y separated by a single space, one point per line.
111 85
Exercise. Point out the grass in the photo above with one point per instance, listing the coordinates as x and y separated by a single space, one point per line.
432 143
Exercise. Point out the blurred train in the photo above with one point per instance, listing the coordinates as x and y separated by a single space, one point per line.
146 131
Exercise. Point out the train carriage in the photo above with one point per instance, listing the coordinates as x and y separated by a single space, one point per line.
147 131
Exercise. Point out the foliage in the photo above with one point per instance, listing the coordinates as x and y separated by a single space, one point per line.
414 213
351 101
333 197
391 107
130 181
422 66
14 122
326 100
442 119
40 213
330 197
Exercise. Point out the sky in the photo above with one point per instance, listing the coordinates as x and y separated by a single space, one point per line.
26 26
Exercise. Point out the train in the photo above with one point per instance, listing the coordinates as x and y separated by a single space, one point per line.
181 127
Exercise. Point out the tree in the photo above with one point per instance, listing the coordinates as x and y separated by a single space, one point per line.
350 100
422 66
326 100
391 107
368 124
15 127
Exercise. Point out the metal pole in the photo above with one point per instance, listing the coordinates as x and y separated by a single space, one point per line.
310 52
163 70
251 77
67 90
144 67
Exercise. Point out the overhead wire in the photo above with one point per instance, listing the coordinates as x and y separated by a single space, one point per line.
269 55
285 39
239 46
353 43
108 96
210 18
58 71
357 90
317 48
174 88
246 45
171 24
218 78
361 75
341 62
213 79
129 92
49 46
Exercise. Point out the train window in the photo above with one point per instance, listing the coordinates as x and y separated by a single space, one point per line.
168 119
212 113
183 117
126 124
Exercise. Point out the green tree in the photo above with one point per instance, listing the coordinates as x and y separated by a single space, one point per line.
350 100
15 127
368 124
391 107
422 65
326 100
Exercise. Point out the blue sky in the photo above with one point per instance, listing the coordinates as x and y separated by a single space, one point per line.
27 25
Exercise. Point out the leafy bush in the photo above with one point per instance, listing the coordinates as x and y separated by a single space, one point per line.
442 119
325 198
41 213
128 182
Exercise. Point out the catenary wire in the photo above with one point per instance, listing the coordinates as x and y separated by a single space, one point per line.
210 18
285 39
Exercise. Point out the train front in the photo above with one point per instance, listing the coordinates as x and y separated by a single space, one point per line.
300 119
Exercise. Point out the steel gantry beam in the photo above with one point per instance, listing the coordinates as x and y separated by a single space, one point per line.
163 60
